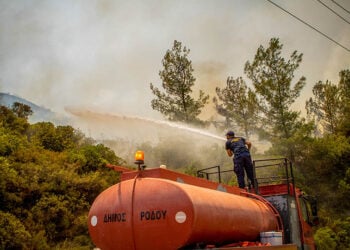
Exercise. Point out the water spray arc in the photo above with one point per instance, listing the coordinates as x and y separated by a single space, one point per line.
135 128
83 113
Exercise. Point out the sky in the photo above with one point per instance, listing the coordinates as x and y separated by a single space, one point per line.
103 54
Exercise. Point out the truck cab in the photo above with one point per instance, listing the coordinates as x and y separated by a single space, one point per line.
274 180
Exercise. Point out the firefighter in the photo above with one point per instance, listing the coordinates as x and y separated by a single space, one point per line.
242 161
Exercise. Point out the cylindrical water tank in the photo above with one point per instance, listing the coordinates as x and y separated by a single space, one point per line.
151 213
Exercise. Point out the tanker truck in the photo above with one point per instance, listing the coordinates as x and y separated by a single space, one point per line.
161 209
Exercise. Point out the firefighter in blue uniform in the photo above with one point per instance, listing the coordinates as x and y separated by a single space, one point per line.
242 161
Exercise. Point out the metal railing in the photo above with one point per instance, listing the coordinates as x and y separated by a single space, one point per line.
207 173
273 171
270 171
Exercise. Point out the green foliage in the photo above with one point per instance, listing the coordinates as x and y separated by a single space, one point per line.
39 241
9 141
13 235
53 214
53 138
325 239
272 77
331 105
93 157
325 107
49 177
344 86
233 181
176 103
191 169
294 146
238 104
325 170
334 236
344 184
22 110
10 121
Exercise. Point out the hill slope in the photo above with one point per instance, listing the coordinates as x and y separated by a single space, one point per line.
39 113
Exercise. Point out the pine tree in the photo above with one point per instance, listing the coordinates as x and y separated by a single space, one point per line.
237 103
344 86
272 78
330 106
325 106
176 103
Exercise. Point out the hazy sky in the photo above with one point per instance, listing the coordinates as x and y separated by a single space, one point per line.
104 53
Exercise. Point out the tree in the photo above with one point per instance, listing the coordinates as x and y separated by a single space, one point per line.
176 103
53 138
22 110
331 105
344 86
12 120
94 157
325 239
13 235
272 77
44 134
334 236
10 142
325 107
238 104
326 161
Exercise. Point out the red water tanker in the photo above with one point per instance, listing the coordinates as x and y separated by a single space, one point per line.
162 209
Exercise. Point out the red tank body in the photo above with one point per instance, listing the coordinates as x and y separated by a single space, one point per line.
154 213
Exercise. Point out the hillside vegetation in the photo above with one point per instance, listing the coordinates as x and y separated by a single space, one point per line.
49 177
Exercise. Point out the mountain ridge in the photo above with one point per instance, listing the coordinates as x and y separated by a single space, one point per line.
39 113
